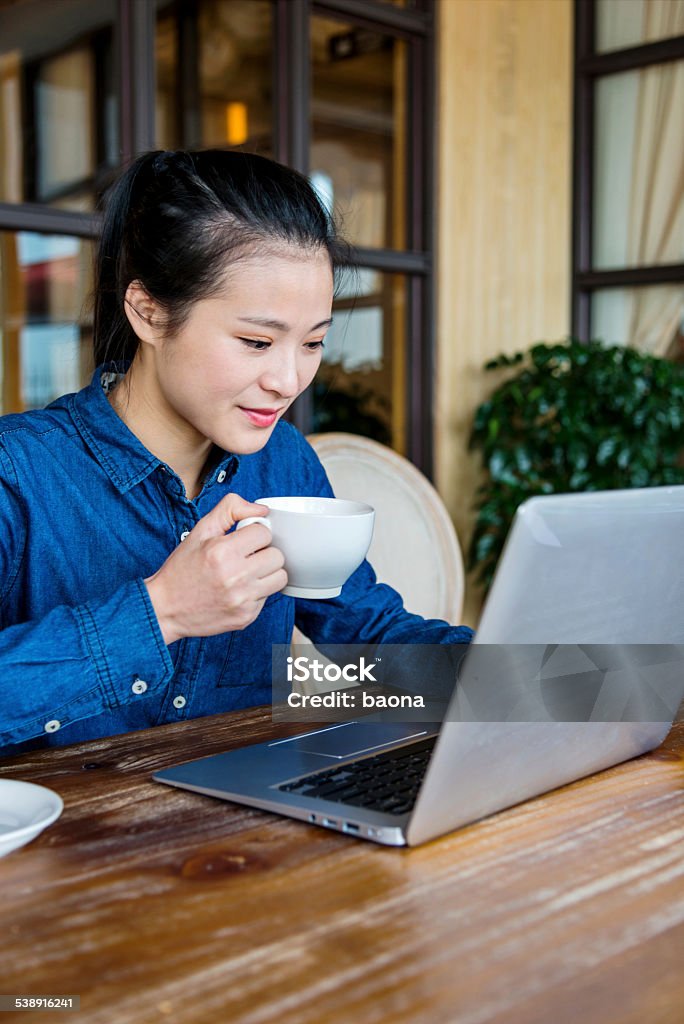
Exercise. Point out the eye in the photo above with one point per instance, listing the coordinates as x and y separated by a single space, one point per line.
315 346
255 344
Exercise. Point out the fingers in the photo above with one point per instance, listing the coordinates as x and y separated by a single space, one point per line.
226 514
265 562
252 546
272 584
253 538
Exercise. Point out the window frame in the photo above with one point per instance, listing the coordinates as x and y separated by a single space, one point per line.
588 67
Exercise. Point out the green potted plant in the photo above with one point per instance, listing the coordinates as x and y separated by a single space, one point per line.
572 417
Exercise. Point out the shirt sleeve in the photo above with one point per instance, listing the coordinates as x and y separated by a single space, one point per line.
366 612
77 661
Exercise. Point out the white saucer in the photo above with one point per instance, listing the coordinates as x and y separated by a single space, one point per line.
25 810
313 593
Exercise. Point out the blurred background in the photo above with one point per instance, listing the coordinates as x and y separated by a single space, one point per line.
509 170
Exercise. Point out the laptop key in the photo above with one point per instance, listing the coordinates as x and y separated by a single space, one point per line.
402 808
381 782
291 787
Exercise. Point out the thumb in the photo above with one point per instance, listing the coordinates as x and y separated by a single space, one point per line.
226 514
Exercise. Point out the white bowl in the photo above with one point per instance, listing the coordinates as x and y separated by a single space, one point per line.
25 810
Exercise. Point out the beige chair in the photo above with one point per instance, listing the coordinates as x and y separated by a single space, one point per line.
415 548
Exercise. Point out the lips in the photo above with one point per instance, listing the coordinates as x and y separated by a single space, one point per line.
261 417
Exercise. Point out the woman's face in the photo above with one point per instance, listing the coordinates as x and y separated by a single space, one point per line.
244 355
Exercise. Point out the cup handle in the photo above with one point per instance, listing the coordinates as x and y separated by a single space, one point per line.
263 520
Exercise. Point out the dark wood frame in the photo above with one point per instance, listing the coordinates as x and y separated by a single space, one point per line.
292 75
99 43
589 66
134 39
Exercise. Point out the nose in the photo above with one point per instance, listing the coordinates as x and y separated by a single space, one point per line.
282 375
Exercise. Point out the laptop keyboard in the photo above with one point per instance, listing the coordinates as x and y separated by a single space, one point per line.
386 782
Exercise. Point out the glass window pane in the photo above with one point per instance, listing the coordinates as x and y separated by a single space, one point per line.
58 108
650 319
623 23
64 94
45 329
639 168
227 80
358 139
235 66
360 387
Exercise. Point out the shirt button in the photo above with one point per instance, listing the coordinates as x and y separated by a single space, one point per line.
53 725
221 477
184 534
179 702
139 686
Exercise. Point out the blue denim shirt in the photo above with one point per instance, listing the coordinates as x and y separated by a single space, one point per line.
86 513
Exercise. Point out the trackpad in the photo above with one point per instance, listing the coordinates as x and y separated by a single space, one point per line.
355 738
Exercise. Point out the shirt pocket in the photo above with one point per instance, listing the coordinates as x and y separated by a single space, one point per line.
248 658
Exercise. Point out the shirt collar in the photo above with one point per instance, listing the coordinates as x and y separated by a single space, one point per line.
123 457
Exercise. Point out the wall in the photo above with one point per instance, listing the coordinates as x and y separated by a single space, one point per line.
503 211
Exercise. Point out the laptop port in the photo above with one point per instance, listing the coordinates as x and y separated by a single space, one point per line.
330 822
349 826
312 818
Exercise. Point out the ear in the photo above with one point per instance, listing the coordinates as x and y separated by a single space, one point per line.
143 313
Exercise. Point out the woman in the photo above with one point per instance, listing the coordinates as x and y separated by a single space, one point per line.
125 602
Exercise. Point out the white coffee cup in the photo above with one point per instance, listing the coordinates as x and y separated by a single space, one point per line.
323 540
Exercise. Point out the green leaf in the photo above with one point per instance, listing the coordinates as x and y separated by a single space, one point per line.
623 457
606 450
573 416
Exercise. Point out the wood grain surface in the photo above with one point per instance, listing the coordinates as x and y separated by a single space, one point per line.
155 904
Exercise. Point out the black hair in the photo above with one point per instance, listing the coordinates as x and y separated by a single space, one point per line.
174 221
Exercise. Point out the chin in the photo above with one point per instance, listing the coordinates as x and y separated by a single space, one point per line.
247 443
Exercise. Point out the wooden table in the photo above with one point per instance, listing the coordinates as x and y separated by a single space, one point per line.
155 904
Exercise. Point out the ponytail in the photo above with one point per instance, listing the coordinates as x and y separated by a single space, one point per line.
114 338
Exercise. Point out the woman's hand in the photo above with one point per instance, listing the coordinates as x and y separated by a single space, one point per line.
213 583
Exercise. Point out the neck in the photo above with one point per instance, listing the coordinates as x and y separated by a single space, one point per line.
138 401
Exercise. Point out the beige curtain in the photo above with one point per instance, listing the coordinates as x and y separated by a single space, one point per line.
656 228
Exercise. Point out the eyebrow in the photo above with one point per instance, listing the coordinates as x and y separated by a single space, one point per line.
279 325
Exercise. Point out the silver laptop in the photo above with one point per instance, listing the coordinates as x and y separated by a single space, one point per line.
590 586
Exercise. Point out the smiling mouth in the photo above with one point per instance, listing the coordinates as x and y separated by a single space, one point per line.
261 417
